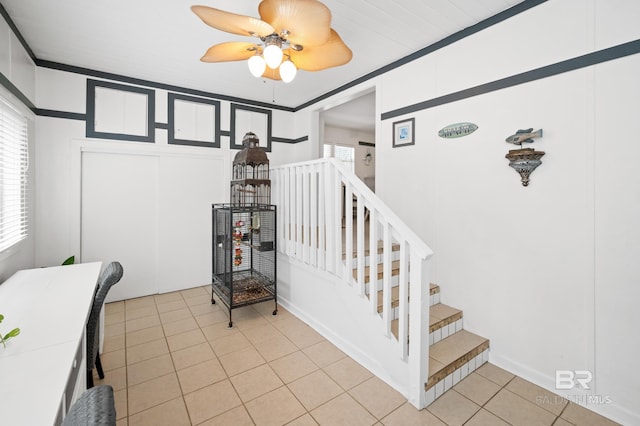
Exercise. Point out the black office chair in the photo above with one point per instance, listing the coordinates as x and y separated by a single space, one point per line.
95 407
109 277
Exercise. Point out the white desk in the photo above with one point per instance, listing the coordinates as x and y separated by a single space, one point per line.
42 369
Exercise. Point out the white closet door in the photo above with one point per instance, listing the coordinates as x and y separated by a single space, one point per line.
120 220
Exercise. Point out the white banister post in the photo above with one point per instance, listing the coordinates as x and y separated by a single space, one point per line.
359 243
373 260
419 275
403 304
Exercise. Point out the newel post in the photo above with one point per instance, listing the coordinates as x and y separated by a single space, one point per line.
419 279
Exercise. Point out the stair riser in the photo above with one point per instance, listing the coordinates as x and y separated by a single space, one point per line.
445 331
452 379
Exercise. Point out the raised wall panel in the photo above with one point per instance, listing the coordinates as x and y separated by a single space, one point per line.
5 48
249 119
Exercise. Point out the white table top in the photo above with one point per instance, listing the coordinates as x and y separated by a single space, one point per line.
51 307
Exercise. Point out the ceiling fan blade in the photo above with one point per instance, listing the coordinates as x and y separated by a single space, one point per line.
273 74
232 22
229 51
308 22
315 58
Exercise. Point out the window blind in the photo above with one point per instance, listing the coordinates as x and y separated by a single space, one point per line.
345 154
14 163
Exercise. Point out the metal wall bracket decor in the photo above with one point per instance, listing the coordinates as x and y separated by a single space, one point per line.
524 160
457 130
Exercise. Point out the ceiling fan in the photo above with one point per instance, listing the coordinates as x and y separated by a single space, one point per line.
298 31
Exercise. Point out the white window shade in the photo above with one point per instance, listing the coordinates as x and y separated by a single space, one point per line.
345 154
14 163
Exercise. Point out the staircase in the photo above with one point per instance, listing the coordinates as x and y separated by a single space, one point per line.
376 304
454 352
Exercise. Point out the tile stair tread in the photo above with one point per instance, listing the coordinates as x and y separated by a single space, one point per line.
394 247
452 352
395 297
395 270
440 315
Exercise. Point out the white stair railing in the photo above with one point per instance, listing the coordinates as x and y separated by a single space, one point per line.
315 199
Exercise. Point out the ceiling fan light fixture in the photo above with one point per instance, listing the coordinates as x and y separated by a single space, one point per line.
272 55
257 65
288 71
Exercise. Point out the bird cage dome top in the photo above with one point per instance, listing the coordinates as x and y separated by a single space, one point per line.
251 154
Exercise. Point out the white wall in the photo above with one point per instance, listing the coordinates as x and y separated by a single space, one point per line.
538 270
549 272
145 204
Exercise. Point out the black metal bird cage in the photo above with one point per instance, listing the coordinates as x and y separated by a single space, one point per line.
250 182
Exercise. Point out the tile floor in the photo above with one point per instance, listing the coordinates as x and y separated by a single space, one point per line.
172 360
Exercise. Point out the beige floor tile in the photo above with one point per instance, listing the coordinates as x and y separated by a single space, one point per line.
139 302
194 292
485 418
315 389
201 375
186 339
149 369
170 413
200 301
192 355
537 395
147 351
231 343
266 309
113 343
142 312
168 297
120 402
343 410
216 317
113 360
217 329
303 336
113 330
275 348
122 422
177 315
143 336
180 326
255 320
113 307
562 422
142 323
453 408
171 306
293 366
377 397
324 353
256 382
237 362
202 308
153 392
495 374
277 407
117 378
347 373
211 401
477 388
579 415
235 417
114 317
516 410
407 414
261 333
304 420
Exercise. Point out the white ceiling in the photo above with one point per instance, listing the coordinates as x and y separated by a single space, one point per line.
162 41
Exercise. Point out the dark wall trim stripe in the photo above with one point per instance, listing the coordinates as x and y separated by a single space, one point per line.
16 92
60 114
148 83
366 143
17 32
292 141
572 64
495 19
163 126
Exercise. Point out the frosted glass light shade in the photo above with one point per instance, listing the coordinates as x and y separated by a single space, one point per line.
272 56
288 71
257 65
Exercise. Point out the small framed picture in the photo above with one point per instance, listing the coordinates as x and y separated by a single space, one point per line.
404 132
